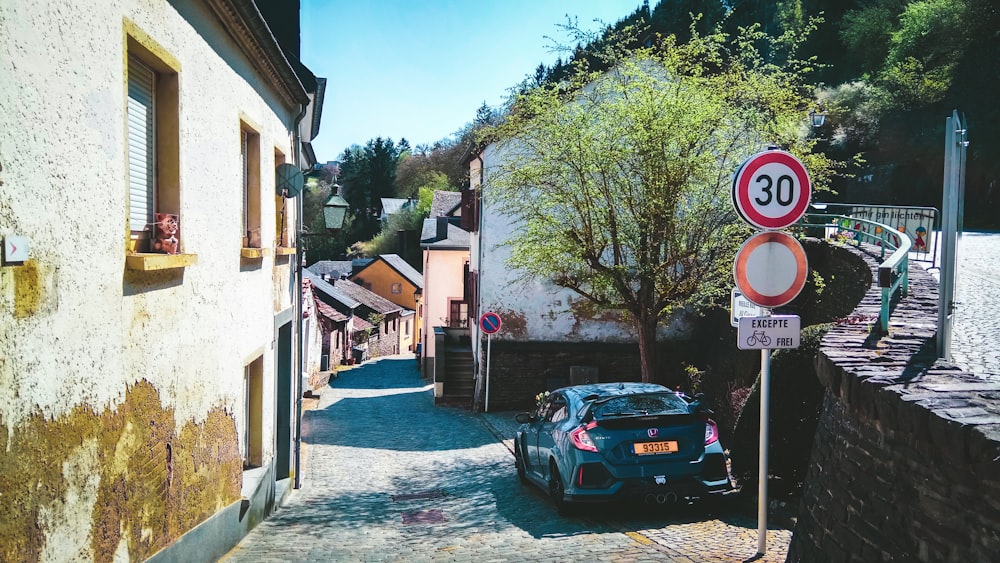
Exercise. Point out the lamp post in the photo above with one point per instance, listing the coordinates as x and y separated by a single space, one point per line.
334 213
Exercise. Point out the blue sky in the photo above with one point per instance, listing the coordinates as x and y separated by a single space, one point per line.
419 69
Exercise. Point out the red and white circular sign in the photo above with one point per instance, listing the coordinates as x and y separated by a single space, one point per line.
770 269
771 190
490 322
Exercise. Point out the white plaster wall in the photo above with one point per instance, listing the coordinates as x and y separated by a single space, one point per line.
545 307
62 152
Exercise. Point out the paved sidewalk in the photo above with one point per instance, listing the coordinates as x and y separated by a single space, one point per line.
976 332
389 476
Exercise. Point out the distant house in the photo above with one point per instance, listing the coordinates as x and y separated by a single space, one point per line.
335 312
336 269
446 352
345 295
446 204
394 279
392 205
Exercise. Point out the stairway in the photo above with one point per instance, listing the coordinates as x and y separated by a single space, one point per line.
459 385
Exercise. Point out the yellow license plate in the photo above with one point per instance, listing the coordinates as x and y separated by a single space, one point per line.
647 448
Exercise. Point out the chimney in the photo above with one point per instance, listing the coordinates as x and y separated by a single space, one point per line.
442 228
401 242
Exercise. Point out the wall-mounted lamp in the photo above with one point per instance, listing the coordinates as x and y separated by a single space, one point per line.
334 211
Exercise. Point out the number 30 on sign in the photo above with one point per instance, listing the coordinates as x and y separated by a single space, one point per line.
771 190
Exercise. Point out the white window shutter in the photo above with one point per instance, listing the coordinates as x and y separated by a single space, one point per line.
141 149
245 170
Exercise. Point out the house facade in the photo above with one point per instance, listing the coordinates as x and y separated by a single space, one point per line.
446 312
384 316
337 319
362 307
149 313
550 336
392 278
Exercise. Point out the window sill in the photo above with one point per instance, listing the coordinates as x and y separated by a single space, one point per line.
149 262
247 252
284 250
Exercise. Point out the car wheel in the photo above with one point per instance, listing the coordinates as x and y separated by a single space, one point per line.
556 489
519 464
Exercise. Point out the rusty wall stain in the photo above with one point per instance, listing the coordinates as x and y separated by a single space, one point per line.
515 325
155 483
28 289
584 310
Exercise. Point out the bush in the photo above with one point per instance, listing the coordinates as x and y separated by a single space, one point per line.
795 406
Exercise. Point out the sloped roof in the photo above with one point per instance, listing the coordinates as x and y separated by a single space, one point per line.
328 289
333 268
445 203
392 205
329 312
404 268
375 302
458 238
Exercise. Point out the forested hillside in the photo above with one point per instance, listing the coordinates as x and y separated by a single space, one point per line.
887 73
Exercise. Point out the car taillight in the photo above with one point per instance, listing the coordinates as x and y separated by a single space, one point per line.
711 432
582 440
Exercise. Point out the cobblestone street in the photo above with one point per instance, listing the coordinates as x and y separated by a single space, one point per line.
388 476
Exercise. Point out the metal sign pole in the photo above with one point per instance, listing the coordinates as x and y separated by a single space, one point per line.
765 390
489 348
765 399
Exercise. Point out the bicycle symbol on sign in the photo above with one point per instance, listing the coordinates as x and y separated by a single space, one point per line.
758 336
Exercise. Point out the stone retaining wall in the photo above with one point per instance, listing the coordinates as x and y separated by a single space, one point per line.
906 461
519 370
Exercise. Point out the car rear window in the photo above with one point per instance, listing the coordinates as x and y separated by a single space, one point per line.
628 405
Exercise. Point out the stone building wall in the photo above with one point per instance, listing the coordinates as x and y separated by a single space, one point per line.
906 460
122 388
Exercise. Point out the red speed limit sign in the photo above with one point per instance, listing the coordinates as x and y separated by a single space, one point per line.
771 190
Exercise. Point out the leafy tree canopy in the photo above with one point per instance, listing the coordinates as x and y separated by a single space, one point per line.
621 179
368 174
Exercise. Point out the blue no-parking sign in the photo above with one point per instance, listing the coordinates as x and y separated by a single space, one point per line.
490 322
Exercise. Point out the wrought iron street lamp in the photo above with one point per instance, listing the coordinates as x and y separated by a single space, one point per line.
335 210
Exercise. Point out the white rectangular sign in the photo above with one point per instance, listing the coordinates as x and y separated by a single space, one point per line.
740 306
15 249
776 331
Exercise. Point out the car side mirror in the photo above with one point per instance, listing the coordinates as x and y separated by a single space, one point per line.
525 418
699 406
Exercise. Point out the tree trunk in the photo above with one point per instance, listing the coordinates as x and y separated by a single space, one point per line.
646 325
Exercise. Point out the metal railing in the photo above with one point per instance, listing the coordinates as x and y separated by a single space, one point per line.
893 272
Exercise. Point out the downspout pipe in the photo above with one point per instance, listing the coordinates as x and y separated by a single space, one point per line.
477 363
299 338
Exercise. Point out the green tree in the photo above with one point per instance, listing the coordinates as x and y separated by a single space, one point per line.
620 181
368 174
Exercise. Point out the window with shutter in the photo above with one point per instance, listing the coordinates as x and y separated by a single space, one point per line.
250 173
152 169
141 147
